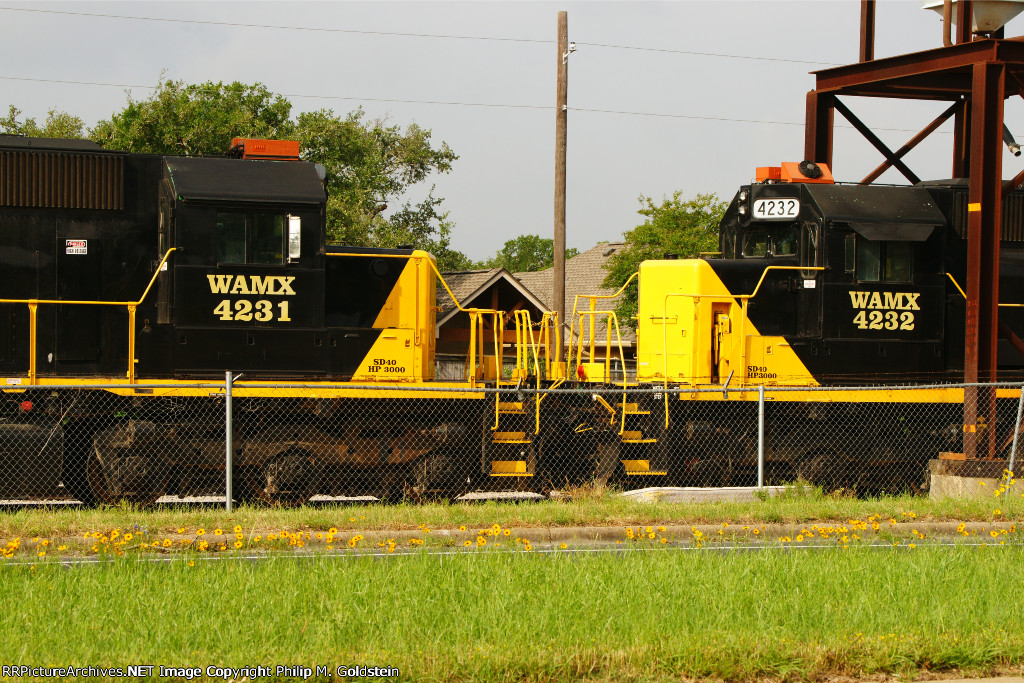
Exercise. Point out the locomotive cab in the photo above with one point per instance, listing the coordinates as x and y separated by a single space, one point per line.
252 286
244 285
146 266
817 283
863 290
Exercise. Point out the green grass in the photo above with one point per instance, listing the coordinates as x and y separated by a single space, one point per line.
489 616
798 506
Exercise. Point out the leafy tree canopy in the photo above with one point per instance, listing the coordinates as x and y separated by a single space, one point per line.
526 253
685 227
58 124
371 166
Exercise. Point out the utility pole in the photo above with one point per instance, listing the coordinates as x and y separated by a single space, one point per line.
561 127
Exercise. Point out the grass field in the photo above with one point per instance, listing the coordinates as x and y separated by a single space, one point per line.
634 615
601 508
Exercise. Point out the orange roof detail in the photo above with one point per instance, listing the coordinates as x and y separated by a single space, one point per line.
248 148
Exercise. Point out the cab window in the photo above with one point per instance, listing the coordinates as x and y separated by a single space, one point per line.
809 249
250 238
729 243
882 261
785 240
755 243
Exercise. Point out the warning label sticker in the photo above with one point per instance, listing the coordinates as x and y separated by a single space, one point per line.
77 246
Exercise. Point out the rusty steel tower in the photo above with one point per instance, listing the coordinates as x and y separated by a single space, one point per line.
975 70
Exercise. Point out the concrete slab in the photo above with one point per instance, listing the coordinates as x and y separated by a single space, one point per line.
967 479
694 494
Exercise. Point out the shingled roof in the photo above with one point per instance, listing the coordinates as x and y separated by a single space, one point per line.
467 285
584 274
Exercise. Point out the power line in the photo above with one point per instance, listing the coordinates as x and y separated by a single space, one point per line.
722 118
693 117
321 29
235 24
317 97
709 54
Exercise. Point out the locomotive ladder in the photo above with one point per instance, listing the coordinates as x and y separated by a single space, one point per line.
641 444
641 448
513 443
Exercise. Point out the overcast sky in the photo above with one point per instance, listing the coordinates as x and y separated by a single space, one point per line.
693 98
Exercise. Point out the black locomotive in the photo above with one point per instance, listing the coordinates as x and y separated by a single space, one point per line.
820 285
126 268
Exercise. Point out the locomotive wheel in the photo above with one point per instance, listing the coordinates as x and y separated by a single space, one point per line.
829 470
75 473
149 479
288 479
712 473
393 487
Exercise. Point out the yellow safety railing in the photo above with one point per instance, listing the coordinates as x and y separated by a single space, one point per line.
33 306
592 314
527 343
612 321
964 294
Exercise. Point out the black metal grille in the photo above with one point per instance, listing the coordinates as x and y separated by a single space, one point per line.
1013 217
61 180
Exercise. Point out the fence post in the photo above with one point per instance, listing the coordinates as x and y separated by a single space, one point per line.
760 436
228 441
1016 433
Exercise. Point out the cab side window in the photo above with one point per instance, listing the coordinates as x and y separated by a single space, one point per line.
881 261
250 238
755 243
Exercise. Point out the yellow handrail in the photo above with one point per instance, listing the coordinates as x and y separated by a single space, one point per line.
964 294
593 304
33 305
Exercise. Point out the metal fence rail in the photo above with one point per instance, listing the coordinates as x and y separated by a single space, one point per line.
283 444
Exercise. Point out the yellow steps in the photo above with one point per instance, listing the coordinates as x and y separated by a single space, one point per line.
509 437
509 468
640 468
633 409
635 437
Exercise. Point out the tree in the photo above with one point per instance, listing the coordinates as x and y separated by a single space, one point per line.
196 120
527 253
685 228
370 165
59 124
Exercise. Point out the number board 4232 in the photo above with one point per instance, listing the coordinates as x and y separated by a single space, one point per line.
778 209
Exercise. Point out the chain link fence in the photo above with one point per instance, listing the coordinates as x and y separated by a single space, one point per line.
288 444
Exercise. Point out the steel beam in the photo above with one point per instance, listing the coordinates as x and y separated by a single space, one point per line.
943 61
818 128
984 219
964 21
867 30
962 142
913 142
876 142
